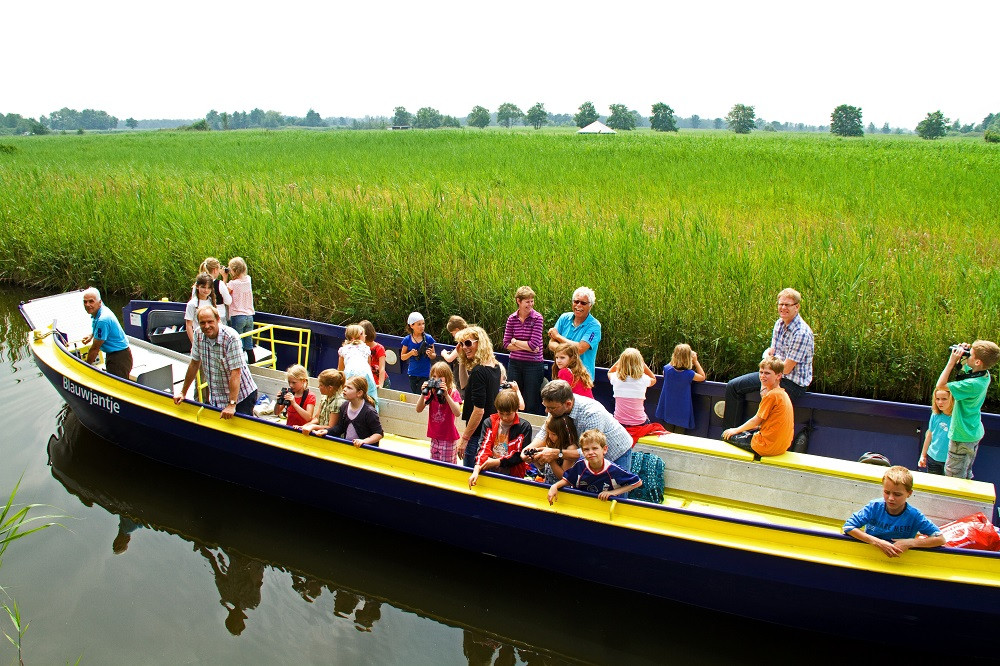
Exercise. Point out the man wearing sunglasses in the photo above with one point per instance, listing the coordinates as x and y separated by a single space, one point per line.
579 326
792 342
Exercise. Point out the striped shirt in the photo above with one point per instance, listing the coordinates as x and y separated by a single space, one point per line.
242 296
529 330
795 342
218 358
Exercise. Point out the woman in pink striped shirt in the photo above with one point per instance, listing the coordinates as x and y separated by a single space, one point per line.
522 337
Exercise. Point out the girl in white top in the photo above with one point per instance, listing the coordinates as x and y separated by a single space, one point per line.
354 356
204 294
213 267
630 377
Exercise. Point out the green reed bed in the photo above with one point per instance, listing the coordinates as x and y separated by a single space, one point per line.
684 237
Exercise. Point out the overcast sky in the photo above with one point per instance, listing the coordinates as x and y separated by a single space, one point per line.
792 60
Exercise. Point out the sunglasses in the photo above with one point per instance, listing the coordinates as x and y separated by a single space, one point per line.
579 302
469 342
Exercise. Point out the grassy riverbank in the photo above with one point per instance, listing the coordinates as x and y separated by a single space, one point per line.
684 237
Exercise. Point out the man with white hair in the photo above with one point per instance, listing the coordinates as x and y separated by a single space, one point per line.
108 336
579 326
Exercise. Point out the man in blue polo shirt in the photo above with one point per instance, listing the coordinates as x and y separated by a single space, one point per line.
579 326
108 336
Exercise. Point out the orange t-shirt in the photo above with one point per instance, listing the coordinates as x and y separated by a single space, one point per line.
777 424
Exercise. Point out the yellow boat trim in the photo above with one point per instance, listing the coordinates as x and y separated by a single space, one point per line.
808 547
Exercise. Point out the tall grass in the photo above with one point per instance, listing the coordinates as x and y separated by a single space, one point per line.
684 237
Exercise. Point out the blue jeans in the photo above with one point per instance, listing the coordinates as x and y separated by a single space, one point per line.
961 455
243 324
528 375
737 390
472 446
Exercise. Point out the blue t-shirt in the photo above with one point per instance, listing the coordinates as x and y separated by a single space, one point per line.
107 328
879 523
938 428
589 331
418 366
612 477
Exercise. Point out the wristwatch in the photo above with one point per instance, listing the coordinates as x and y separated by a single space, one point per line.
232 402
559 457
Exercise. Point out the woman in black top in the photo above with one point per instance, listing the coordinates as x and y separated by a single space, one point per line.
476 356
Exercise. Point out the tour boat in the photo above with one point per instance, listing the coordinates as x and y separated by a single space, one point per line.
760 539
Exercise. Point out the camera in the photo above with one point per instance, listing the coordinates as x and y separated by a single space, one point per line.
434 389
226 269
505 385
422 349
966 352
529 453
284 396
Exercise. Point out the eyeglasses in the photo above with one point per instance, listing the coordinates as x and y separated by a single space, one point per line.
787 305
579 302
468 342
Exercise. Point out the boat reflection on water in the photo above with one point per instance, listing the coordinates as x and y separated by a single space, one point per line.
512 614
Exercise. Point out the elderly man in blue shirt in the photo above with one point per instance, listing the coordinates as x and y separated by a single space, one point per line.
107 336
581 327
792 342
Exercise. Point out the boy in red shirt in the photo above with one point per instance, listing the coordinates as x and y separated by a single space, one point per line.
504 435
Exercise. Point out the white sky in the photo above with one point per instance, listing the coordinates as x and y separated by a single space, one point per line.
792 60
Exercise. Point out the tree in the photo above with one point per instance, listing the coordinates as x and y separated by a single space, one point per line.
695 121
212 118
312 119
885 129
224 119
508 114
586 115
131 123
741 118
401 116
620 118
427 118
450 121
871 128
717 123
537 116
479 117
933 126
662 119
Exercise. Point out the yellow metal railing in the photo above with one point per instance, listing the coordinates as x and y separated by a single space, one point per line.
264 335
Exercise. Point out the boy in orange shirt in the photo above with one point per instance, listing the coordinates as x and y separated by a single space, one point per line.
769 432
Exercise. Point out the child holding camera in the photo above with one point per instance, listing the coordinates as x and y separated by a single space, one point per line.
969 391
442 400
296 400
418 349
354 355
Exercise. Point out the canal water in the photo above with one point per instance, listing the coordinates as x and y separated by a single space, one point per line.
154 565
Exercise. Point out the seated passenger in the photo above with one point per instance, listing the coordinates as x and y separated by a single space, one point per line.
358 422
301 403
769 432
559 436
593 474
504 435
331 386
891 524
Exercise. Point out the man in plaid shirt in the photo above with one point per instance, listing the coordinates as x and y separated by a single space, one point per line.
219 350
792 342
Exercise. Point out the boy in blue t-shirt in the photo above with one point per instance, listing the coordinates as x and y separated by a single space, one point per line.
891 524
969 392
418 349
593 474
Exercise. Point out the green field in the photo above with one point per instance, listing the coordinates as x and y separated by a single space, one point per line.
685 237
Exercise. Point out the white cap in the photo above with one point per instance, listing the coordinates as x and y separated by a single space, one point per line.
414 318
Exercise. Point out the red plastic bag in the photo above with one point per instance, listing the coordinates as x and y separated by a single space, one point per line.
974 531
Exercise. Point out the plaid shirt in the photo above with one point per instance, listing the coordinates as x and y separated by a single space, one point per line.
218 358
589 414
795 342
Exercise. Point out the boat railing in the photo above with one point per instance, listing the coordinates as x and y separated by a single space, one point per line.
263 334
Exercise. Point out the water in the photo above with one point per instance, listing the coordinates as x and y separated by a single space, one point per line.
157 565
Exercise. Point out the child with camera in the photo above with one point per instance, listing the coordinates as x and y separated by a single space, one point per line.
969 391
296 400
438 393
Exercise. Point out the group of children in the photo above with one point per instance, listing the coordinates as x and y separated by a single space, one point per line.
349 409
